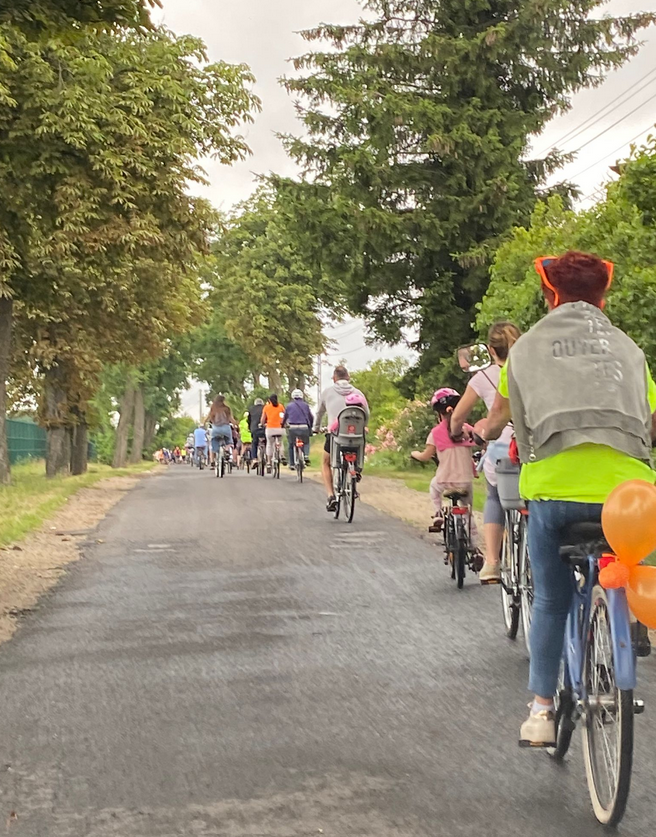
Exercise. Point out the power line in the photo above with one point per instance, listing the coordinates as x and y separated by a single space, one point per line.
611 153
610 127
598 115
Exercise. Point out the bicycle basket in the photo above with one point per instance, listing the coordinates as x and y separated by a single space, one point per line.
508 485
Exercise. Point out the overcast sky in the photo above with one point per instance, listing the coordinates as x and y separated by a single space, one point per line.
263 34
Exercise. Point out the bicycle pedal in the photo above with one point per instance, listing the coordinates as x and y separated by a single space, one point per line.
532 745
638 706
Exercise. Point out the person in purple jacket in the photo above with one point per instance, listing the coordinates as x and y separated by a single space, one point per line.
298 421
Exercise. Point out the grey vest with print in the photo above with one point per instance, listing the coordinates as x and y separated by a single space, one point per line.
575 379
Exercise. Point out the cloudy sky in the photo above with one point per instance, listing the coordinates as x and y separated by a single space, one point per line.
264 34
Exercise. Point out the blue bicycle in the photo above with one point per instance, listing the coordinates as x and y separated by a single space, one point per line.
598 676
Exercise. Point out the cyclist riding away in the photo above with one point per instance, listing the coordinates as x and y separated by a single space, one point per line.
200 441
298 420
582 401
245 433
455 471
483 385
221 419
255 425
272 418
333 401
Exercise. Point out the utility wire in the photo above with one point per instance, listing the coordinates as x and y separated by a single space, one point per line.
610 127
596 117
610 154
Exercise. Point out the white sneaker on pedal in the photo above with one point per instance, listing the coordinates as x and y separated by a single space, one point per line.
490 574
539 730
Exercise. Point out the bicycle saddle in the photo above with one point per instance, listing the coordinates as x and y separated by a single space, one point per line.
578 535
456 494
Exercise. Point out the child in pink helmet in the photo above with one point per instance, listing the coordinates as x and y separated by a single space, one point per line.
455 470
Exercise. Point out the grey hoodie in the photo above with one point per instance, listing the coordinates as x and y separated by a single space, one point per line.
333 401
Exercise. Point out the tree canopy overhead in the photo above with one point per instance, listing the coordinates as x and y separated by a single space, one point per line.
100 239
43 13
620 228
418 122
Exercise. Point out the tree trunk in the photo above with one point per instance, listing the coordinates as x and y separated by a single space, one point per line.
126 411
57 422
150 430
6 317
275 382
139 427
80 447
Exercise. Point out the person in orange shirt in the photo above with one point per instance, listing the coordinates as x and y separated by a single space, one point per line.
272 419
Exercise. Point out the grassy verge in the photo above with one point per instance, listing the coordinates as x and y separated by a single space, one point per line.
31 498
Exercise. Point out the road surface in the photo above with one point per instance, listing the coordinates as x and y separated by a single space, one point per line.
232 661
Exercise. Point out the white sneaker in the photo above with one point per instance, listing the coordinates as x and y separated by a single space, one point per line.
539 730
490 574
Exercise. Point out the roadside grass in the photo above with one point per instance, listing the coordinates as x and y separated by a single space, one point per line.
31 498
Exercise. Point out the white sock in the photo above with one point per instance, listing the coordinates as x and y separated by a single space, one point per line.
541 707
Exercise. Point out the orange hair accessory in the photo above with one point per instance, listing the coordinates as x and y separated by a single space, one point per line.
542 262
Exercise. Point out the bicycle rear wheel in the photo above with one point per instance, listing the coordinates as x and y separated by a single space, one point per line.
337 490
608 720
349 484
509 593
460 561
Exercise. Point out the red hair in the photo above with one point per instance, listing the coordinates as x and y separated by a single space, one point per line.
578 277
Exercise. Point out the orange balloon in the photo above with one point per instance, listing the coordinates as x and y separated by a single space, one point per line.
641 595
629 521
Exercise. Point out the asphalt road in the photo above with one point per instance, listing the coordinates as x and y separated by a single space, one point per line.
232 661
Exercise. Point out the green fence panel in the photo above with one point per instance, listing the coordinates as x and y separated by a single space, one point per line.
26 440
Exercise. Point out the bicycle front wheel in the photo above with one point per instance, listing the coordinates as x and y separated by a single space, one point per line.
608 720
509 596
526 588
565 706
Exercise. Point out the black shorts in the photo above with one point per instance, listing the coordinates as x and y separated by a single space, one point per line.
329 437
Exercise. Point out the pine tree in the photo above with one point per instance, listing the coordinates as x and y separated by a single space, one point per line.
418 123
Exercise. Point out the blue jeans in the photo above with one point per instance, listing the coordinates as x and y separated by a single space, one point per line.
221 434
552 579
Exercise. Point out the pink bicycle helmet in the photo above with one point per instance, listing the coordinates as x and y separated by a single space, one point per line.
444 398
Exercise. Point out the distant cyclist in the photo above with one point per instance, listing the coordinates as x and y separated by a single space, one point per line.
255 425
298 419
272 422
333 401
222 421
582 401
245 435
200 441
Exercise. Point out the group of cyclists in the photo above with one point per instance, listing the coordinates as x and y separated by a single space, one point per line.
574 400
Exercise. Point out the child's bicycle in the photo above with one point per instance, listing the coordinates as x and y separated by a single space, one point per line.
456 526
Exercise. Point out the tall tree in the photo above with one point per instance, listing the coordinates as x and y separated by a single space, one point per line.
101 239
270 296
418 122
